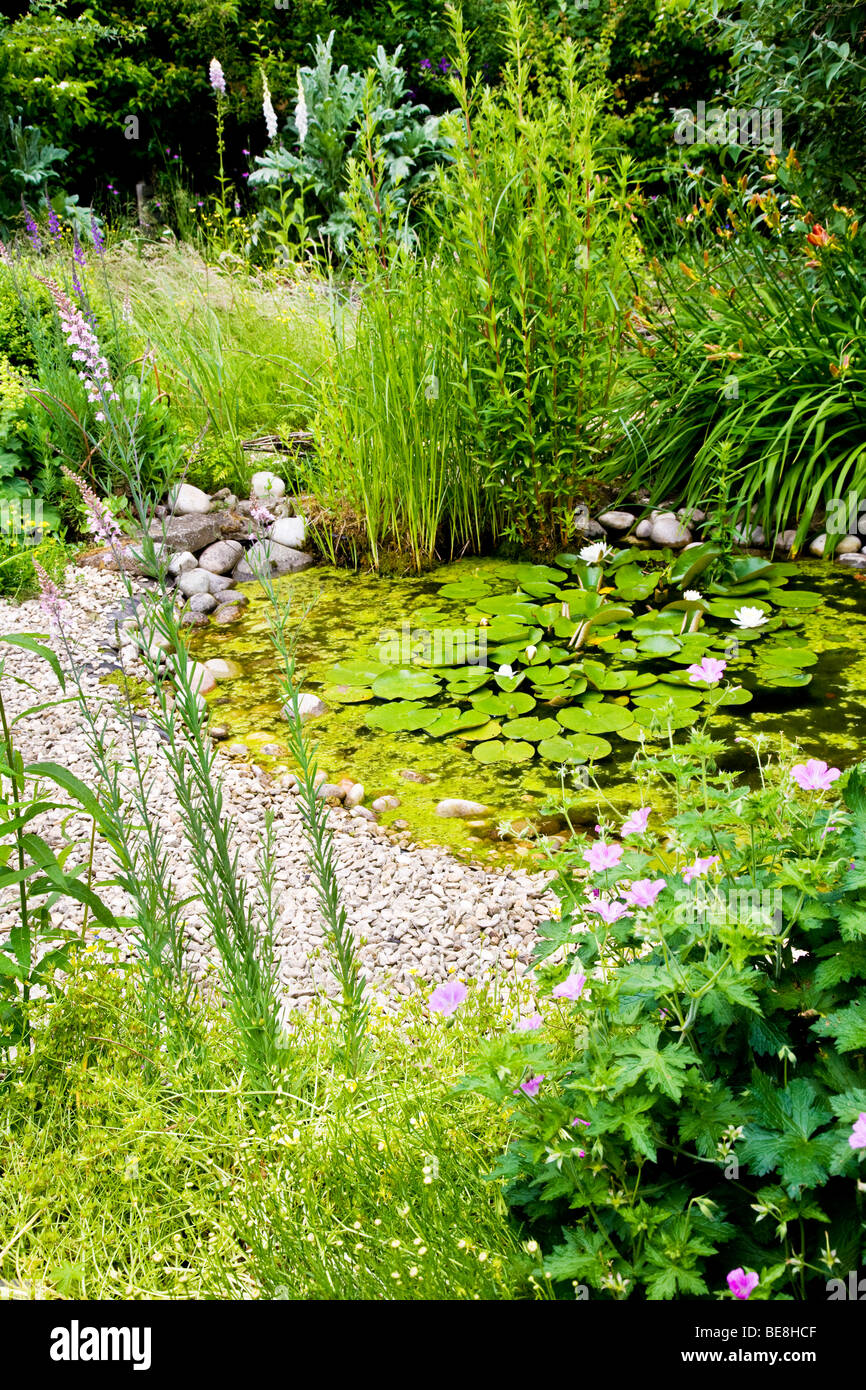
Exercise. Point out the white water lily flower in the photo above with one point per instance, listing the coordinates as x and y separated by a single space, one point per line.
595 554
750 617
505 671
693 596
530 653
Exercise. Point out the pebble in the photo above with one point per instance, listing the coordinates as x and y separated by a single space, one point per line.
453 807
390 891
617 521
667 529
385 803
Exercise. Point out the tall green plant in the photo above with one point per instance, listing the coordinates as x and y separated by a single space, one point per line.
536 243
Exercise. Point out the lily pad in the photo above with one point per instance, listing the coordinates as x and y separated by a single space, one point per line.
506 706
400 716
456 721
361 673
498 752
579 748
530 728
791 657
794 598
596 719
403 683
346 695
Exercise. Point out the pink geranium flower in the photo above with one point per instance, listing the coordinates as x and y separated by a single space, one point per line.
528 1025
814 775
857 1137
572 988
644 891
446 998
531 1086
708 670
636 823
602 856
609 912
742 1284
699 868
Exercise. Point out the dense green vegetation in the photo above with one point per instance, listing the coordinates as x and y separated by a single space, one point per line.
481 274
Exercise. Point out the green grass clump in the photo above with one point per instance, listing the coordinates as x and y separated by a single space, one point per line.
124 1177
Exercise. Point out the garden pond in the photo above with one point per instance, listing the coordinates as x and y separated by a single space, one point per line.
502 682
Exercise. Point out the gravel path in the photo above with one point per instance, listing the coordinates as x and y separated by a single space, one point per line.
420 913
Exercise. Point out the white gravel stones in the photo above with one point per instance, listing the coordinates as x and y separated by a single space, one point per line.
419 913
187 500
453 808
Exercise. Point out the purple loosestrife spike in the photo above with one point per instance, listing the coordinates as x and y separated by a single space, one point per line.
217 77
53 223
78 253
101 522
96 236
52 602
81 338
32 229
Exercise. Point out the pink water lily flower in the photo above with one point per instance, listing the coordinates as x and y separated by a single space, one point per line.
531 1086
637 821
742 1284
644 891
814 775
528 1025
857 1137
446 998
708 670
609 912
602 856
572 988
699 868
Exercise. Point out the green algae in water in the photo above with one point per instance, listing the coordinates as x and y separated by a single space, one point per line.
342 621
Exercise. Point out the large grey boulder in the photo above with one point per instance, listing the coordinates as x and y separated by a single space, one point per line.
221 557
186 500
191 533
281 559
667 529
290 531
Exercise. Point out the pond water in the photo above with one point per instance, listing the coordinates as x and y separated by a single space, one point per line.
343 620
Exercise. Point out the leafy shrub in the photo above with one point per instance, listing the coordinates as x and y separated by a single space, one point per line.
328 131
689 1100
807 60
748 344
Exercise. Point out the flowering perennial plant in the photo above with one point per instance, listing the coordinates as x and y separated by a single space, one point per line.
716 1058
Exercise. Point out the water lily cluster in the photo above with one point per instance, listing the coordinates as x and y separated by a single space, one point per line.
601 642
